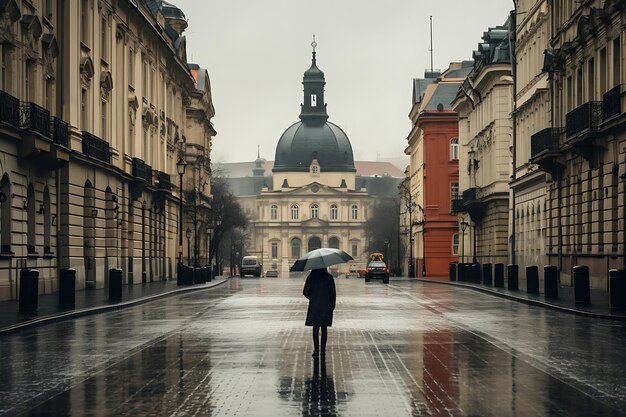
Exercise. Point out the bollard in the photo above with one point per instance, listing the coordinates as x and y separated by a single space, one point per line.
29 290
67 287
617 289
532 280
498 275
453 271
475 273
512 275
551 282
487 274
115 284
209 273
582 293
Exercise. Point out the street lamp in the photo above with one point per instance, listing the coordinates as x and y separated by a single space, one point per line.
411 209
188 234
208 245
180 167
464 225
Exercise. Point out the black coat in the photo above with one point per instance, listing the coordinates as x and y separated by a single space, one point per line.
320 290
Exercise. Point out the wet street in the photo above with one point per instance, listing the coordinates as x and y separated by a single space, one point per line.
241 349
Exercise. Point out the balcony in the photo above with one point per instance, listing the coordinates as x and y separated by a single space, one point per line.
583 119
96 148
165 181
612 103
9 109
545 149
142 171
60 132
35 119
472 204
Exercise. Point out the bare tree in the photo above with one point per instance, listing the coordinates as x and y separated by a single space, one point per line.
383 230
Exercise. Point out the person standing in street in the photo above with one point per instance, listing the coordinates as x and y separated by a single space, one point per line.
320 290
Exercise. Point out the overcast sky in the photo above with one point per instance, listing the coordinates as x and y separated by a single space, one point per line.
256 52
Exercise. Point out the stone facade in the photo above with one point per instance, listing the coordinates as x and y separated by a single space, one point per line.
583 150
484 105
94 190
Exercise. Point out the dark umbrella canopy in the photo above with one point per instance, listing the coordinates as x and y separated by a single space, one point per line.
320 258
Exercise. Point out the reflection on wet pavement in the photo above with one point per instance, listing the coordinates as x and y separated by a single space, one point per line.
408 349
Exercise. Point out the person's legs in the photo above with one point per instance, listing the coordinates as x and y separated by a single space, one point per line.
324 338
316 341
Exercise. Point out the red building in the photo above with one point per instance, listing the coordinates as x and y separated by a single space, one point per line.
434 170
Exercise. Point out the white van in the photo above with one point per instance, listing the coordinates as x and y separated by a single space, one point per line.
250 265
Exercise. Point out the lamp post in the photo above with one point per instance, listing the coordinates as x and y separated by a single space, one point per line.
188 234
464 225
411 209
208 245
180 167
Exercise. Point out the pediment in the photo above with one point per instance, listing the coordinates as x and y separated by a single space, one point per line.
315 188
314 223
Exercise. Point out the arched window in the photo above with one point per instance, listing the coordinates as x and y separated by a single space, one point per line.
315 211
333 212
355 212
315 243
31 225
454 149
295 212
296 244
5 214
455 244
333 243
274 212
47 221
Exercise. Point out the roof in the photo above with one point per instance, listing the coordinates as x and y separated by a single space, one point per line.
441 98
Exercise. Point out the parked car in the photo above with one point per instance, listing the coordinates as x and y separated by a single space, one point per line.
377 270
271 274
250 265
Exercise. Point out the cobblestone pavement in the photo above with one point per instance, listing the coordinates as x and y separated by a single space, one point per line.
241 349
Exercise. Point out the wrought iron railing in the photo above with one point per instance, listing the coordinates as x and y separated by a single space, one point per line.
35 119
60 132
165 181
584 118
546 140
612 103
9 109
142 170
96 148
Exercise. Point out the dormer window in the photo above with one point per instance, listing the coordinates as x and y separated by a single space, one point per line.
313 100
314 169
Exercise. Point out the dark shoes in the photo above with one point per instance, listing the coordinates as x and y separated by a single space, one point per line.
316 353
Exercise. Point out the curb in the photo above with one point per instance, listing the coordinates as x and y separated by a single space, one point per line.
53 318
529 301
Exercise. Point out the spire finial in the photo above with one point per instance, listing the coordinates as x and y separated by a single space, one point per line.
314 45
258 151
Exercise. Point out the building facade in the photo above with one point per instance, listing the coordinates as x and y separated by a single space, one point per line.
433 145
583 150
532 113
484 104
101 90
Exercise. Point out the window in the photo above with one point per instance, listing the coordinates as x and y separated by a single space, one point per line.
48 9
454 190
31 220
5 62
84 21
84 109
274 212
5 215
145 78
131 67
355 212
313 100
27 81
315 211
49 95
295 247
315 169
295 212
274 250
591 80
603 71
454 149
617 58
103 131
103 40
333 243
47 221
355 250
455 244
333 212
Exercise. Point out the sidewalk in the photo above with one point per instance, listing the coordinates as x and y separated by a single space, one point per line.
599 307
90 302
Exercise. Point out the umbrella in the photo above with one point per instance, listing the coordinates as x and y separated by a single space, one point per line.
320 258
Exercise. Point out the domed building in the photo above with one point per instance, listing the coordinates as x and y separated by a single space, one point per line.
314 200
